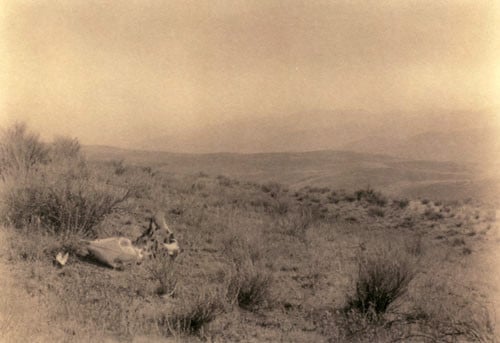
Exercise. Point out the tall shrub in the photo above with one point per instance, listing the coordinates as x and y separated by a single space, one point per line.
20 150
51 186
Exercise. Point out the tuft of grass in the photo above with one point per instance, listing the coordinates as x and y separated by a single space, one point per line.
193 316
273 188
457 242
349 198
298 222
247 282
415 246
321 190
224 181
430 214
119 167
250 287
376 211
371 196
401 203
334 197
164 273
383 277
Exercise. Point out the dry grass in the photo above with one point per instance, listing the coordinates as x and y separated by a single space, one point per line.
249 287
164 273
383 278
290 261
50 186
193 315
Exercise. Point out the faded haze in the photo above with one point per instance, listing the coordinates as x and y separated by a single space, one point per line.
137 73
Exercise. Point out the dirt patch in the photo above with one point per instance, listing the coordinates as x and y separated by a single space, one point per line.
22 316
486 273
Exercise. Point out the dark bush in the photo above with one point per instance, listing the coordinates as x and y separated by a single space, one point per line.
60 203
376 211
193 315
249 287
383 277
371 196
401 203
432 215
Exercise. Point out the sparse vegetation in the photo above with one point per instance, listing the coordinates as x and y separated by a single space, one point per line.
254 255
58 194
164 272
371 196
249 286
376 211
192 316
20 151
119 167
431 214
401 203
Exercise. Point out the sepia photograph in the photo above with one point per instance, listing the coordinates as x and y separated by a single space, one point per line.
184 171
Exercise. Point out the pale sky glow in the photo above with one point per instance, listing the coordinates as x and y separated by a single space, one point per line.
106 71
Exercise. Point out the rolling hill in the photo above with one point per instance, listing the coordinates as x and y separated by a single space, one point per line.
336 169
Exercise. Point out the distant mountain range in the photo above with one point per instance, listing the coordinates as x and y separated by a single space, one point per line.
433 135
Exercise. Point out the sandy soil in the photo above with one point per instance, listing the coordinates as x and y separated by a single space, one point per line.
487 272
22 316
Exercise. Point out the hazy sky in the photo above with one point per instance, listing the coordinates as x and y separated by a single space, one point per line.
108 70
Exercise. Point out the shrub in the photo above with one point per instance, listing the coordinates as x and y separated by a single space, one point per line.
249 287
202 174
349 198
163 271
297 223
408 222
248 284
192 316
65 148
20 150
401 203
119 167
320 190
279 206
224 180
243 248
371 196
51 185
383 277
433 215
60 199
376 211
273 188
415 246
333 197
457 242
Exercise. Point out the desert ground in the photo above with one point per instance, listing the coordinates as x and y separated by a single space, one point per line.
310 247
